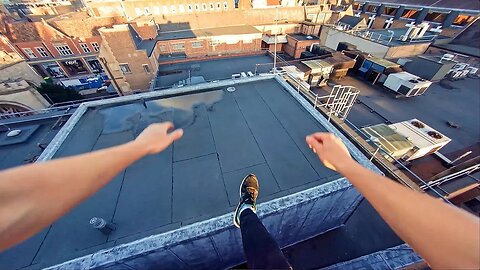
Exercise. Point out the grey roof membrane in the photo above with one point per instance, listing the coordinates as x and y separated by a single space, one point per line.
260 128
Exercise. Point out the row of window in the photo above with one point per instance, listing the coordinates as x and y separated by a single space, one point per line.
195 45
63 50
409 13
125 68
181 8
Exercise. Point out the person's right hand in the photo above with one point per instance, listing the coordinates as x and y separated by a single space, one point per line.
330 149
156 137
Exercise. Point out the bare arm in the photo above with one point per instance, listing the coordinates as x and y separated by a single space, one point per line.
445 236
34 196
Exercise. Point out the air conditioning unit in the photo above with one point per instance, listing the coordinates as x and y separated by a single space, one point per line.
406 84
423 137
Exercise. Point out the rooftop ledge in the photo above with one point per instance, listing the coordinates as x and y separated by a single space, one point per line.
292 213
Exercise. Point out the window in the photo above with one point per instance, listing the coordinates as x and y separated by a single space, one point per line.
29 53
138 11
189 8
173 9
85 47
146 68
390 11
125 68
219 6
463 19
197 7
437 17
197 44
156 10
95 46
410 13
178 46
162 48
165 9
225 5
147 11
181 9
63 50
204 7
212 6
214 42
372 8
42 51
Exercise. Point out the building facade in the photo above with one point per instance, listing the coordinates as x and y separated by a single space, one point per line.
448 16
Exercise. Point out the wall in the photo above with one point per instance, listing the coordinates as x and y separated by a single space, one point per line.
407 50
20 70
207 49
331 37
125 52
399 257
28 98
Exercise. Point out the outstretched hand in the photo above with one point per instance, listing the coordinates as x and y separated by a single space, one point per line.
155 138
330 149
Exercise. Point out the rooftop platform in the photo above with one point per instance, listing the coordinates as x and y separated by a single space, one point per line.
217 69
161 200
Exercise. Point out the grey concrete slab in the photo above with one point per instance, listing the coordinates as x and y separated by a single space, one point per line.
266 181
87 136
73 232
288 164
22 255
162 259
198 187
197 139
145 200
235 143
147 232
296 123
198 254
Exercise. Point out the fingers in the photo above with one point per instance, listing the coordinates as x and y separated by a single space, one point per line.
322 136
313 143
168 125
176 134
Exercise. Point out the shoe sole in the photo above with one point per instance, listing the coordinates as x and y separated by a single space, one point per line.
238 206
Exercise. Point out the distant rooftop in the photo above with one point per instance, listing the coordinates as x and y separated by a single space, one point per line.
303 37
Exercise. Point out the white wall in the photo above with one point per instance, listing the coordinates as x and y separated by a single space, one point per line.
330 37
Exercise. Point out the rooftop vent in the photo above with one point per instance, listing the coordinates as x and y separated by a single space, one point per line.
309 37
13 133
417 124
435 135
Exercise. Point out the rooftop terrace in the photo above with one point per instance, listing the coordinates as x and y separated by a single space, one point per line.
259 128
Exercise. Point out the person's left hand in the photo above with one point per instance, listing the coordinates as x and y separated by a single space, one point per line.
155 138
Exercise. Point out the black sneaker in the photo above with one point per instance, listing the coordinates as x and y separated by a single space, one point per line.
248 197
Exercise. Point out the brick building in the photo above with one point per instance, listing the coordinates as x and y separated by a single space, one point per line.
450 17
133 64
298 43
63 47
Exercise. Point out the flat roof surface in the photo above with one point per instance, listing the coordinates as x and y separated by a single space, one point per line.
218 69
443 101
25 150
303 37
259 128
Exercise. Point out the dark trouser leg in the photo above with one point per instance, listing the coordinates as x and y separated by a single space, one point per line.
261 250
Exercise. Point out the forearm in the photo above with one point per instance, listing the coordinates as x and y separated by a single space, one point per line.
33 196
444 236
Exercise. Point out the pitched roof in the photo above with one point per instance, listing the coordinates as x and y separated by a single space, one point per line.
32 31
